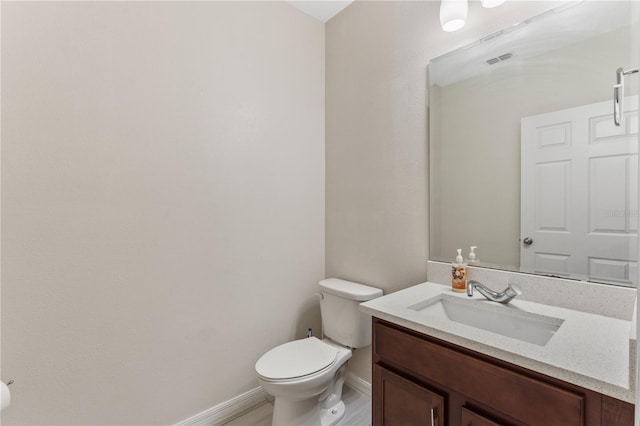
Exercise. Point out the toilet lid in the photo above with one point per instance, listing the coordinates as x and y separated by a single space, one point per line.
296 359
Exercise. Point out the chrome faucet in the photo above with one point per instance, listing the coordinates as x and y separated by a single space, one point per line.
504 297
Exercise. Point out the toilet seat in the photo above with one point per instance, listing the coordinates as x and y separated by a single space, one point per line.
296 359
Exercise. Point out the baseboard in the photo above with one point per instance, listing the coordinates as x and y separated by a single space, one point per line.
240 404
228 410
358 383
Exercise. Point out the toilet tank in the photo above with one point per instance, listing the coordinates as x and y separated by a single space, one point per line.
342 320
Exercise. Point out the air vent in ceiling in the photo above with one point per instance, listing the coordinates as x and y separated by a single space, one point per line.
500 58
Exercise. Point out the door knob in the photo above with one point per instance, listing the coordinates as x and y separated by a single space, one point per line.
527 241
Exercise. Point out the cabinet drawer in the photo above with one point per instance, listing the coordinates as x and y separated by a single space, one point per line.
514 394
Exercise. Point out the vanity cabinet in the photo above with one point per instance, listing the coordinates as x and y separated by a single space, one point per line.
420 380
406 402
469 418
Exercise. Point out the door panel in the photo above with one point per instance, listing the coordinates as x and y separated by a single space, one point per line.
579 201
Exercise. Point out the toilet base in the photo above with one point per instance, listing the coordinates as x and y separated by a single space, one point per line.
311 401
302 413
331 416
306 413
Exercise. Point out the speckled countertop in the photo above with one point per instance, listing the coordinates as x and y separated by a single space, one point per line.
593 351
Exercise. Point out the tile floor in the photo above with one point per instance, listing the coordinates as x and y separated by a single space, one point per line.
358 412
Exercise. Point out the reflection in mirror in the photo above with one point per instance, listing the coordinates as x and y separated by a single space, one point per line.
526 162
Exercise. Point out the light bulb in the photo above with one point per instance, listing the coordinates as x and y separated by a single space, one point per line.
491 3
453 14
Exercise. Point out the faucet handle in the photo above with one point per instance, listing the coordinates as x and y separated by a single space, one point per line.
515 289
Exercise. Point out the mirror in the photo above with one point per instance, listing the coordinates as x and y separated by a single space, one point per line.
525 160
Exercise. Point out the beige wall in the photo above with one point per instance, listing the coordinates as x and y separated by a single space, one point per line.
162 189
377 165
162 203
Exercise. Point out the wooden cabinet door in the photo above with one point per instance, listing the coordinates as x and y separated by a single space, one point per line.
469 418
518 395
400 402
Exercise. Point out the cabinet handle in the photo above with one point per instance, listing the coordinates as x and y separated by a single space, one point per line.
434 415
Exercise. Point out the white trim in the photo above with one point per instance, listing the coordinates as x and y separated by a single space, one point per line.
358 383
228 410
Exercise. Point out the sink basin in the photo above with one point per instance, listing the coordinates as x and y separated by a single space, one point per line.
490 316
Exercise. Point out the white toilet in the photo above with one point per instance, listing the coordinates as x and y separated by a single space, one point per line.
306 376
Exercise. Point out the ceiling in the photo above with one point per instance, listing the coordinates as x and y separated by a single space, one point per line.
551 30
322 10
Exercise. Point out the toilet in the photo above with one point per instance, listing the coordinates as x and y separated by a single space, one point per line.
306 376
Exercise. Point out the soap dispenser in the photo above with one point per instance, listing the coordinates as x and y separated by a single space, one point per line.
472 260
459 274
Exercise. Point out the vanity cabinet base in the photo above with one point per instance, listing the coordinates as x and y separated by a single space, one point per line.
420 380
407 403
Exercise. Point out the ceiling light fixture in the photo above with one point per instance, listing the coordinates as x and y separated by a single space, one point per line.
491 3
453 14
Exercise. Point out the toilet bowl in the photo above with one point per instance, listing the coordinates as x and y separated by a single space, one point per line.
306 376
